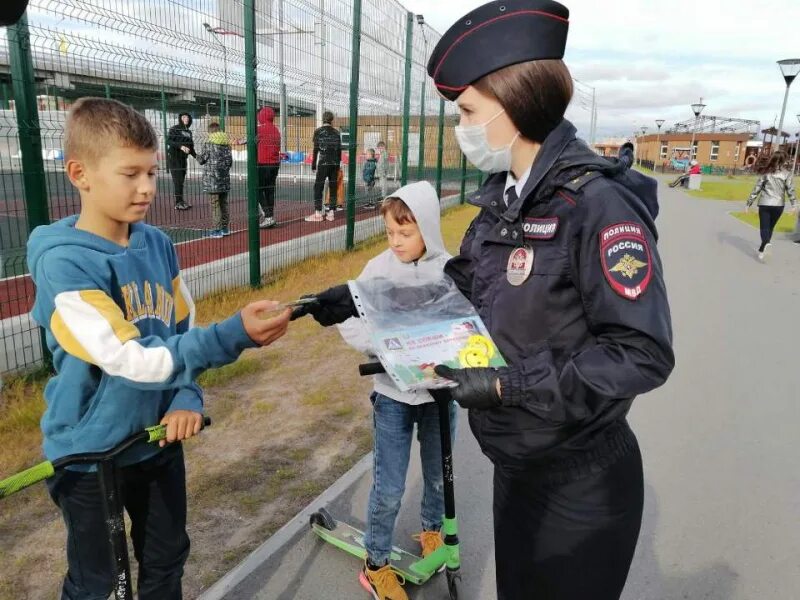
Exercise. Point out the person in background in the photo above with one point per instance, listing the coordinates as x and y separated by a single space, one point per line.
771 190
180 145
694 169
368 175
269 163
217 160
327 156
382 170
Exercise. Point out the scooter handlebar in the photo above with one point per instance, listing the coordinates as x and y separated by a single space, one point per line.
156 433
373 368
26 478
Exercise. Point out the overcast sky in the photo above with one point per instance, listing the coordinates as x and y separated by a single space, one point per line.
650 59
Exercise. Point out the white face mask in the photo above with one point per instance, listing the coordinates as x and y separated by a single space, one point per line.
475 146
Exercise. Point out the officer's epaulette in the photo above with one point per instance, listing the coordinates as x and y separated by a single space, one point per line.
581 180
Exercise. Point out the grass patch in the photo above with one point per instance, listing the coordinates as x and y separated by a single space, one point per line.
734 189
786 223
246 365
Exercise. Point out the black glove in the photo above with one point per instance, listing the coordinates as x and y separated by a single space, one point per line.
477 387
334 305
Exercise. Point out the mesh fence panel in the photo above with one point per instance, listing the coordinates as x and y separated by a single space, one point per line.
169 57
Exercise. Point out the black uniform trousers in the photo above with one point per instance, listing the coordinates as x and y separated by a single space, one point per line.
331 173
267 176
569 534
154 495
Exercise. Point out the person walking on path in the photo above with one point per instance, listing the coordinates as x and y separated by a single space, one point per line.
771 189
382 169
217 160
327 156
269 163
180 145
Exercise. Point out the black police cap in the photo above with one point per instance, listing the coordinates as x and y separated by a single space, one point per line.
496 35
11 11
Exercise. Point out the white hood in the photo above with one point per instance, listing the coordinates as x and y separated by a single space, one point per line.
421 198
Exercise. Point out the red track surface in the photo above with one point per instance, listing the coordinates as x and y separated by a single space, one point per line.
17 293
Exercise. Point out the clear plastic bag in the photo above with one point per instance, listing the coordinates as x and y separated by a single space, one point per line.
415 328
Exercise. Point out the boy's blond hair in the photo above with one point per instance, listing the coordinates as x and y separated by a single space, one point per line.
96 124
398 210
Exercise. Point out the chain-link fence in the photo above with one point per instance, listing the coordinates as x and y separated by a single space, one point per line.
168 57
241 64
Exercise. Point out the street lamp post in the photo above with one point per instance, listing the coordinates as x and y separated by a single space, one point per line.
790 68
421 160
659 123
641 154
208 115
696 109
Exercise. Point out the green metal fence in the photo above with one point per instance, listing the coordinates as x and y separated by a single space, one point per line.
220 61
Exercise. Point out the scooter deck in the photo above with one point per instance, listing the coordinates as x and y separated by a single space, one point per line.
351 540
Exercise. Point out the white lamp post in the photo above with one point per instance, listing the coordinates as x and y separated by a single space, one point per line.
659 123
790 68
696 109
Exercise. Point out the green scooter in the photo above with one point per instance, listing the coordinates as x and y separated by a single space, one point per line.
413 568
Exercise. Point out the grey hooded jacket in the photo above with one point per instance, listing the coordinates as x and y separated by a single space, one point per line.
421 198
772 187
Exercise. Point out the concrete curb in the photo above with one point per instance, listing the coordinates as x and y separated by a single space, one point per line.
281 537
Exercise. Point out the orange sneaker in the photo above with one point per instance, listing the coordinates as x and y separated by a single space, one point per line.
383 583
430 541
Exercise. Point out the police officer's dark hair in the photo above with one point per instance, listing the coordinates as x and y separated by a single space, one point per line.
327 117
535 95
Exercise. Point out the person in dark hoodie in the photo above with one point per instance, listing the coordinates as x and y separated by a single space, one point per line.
119 322
180 145
327 155
561 264
269 163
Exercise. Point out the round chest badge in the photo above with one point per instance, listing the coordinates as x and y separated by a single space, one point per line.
520 264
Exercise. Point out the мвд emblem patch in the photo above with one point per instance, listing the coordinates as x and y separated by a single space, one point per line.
625 257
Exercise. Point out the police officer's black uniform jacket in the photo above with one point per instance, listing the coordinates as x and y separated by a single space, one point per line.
590 327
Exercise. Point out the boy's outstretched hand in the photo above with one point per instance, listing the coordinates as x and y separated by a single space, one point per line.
264 331
181 425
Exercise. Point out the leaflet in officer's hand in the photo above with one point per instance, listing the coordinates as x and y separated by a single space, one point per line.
415 328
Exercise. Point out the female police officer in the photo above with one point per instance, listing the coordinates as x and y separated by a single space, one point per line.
561 264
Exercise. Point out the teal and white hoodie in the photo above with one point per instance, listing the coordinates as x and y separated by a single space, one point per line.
119 323
421 198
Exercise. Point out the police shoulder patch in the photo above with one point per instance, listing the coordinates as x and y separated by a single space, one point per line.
625 257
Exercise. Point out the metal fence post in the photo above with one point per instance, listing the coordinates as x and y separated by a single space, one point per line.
355 67
108 91
164 120
223 112
440 150
30 138
5 104
463 195
421 161
250 62
407 98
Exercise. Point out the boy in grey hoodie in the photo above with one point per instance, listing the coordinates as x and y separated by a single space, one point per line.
416 256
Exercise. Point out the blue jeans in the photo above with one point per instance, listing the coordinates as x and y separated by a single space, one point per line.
394 425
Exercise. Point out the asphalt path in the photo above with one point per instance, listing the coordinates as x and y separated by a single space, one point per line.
719 441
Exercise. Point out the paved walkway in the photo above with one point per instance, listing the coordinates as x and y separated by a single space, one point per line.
720 443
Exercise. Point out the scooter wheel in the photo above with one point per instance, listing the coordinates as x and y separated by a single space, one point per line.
453 579
324 519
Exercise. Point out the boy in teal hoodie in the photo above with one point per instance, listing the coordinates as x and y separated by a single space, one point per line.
119 322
